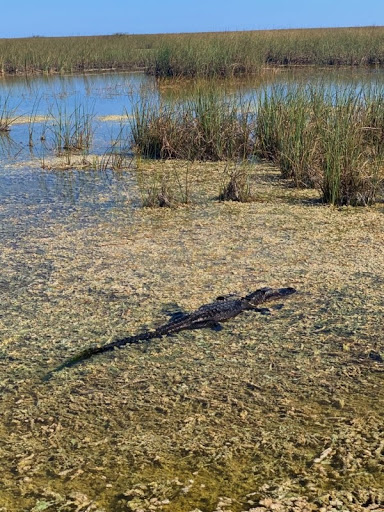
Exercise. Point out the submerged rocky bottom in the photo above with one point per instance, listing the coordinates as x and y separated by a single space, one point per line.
279 412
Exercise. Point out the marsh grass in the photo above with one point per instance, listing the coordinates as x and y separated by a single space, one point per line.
219 54
118 156
318 136
351 165
114 159
287 131
236 184
32 118
206 56
326 139
329 138
7 114
155 190
72 130
147 121
205 127
164 186
374 119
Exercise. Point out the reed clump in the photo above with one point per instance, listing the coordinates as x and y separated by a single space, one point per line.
157 194
166 187
351 165
374 119
332 141
205 127
237 184
7 114
325 139
287 131
207 55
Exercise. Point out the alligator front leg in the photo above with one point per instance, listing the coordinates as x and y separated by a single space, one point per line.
262 311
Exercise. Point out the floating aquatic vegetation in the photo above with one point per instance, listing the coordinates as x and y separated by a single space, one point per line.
274 411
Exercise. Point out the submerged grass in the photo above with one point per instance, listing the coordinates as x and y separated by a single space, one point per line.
200 54
275 412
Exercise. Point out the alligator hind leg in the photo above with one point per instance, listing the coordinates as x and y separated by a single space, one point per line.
173 311
178 315
229 296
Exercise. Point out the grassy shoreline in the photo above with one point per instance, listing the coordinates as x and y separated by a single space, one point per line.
318 138
195 54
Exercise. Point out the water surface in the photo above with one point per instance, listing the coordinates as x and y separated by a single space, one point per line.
283 410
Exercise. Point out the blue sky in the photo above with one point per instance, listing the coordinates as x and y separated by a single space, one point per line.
23 18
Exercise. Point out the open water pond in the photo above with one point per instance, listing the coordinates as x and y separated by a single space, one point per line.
275 412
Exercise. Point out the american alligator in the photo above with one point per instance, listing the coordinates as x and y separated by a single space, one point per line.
208 315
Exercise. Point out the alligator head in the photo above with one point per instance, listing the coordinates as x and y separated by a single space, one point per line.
267 294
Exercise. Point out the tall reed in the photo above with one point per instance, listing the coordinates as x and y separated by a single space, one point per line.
329 139
165 187
236 184
319 137
205 127
207 56
374 119
32 120
7 114
351 167
287 130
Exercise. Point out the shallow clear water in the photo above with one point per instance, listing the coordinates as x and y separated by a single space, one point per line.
107 91
273 408
22 181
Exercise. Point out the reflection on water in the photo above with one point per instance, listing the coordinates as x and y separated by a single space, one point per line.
9 148
110 95
169 89
108 91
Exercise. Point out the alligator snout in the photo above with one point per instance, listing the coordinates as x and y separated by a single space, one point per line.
267 294
283 292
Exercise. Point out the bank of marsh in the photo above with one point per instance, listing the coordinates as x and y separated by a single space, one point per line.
219 54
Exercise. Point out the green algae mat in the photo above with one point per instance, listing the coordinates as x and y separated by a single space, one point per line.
282 412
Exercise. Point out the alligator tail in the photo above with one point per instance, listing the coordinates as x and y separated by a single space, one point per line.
91 351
